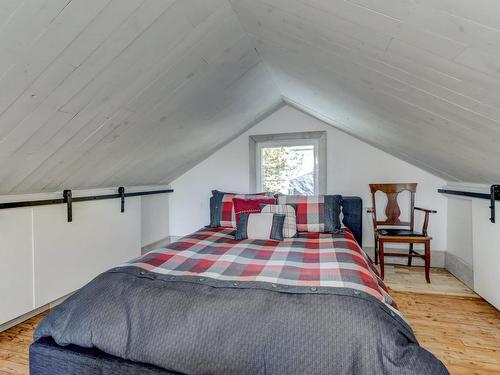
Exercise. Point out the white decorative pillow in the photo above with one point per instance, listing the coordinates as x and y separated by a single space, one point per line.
259 226
290 224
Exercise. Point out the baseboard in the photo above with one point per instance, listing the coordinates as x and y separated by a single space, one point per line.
461 270
437 257
31 314
160 243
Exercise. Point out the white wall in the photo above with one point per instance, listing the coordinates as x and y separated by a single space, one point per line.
351 166
43 257
154 218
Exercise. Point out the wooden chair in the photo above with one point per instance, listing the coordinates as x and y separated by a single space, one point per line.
393 230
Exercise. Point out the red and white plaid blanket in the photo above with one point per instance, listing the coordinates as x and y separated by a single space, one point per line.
313 260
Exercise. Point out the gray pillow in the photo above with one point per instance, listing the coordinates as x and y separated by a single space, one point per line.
333 208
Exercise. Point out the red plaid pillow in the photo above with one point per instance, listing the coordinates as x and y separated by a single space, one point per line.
310 211
248 206
228 218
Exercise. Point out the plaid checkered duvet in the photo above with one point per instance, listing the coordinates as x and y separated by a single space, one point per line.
317 262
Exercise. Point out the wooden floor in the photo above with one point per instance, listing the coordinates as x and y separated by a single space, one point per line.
411 279
449 320
14 344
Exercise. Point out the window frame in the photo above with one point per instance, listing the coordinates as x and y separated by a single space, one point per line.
317 139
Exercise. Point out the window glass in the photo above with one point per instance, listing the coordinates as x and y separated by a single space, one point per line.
288 169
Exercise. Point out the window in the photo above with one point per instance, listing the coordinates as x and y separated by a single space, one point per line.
288 163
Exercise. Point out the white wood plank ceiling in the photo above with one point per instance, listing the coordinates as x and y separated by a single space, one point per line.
97 93
419 79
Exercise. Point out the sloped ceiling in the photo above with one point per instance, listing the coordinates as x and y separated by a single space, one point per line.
97 93
419 79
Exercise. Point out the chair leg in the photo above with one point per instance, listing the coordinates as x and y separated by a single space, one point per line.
376 250
381 253
427 261
409 258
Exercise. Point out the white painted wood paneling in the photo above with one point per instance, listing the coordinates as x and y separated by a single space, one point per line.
91 86
68 255
45 50
122 92
419 79
16 263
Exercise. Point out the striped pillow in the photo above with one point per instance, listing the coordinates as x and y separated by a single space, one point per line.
260 226
315 213
290 224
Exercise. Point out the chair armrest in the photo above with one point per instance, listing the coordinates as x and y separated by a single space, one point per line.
426 210
426 220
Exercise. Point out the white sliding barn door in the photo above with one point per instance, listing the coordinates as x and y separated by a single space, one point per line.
486 252
68 255
43 257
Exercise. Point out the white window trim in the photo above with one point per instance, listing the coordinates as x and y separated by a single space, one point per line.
317 139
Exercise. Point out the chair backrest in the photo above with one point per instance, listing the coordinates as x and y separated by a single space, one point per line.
392 210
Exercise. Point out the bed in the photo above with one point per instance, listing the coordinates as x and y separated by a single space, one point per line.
208 304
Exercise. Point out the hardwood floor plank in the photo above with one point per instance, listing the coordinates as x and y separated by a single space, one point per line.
464 332
411 279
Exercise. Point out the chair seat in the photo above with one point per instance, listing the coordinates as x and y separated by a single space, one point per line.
399 233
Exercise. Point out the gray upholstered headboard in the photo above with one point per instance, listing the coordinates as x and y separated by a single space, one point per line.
352 208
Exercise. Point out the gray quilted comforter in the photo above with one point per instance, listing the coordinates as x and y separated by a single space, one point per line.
194 328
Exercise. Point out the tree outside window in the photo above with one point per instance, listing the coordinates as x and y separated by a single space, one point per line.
288 169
